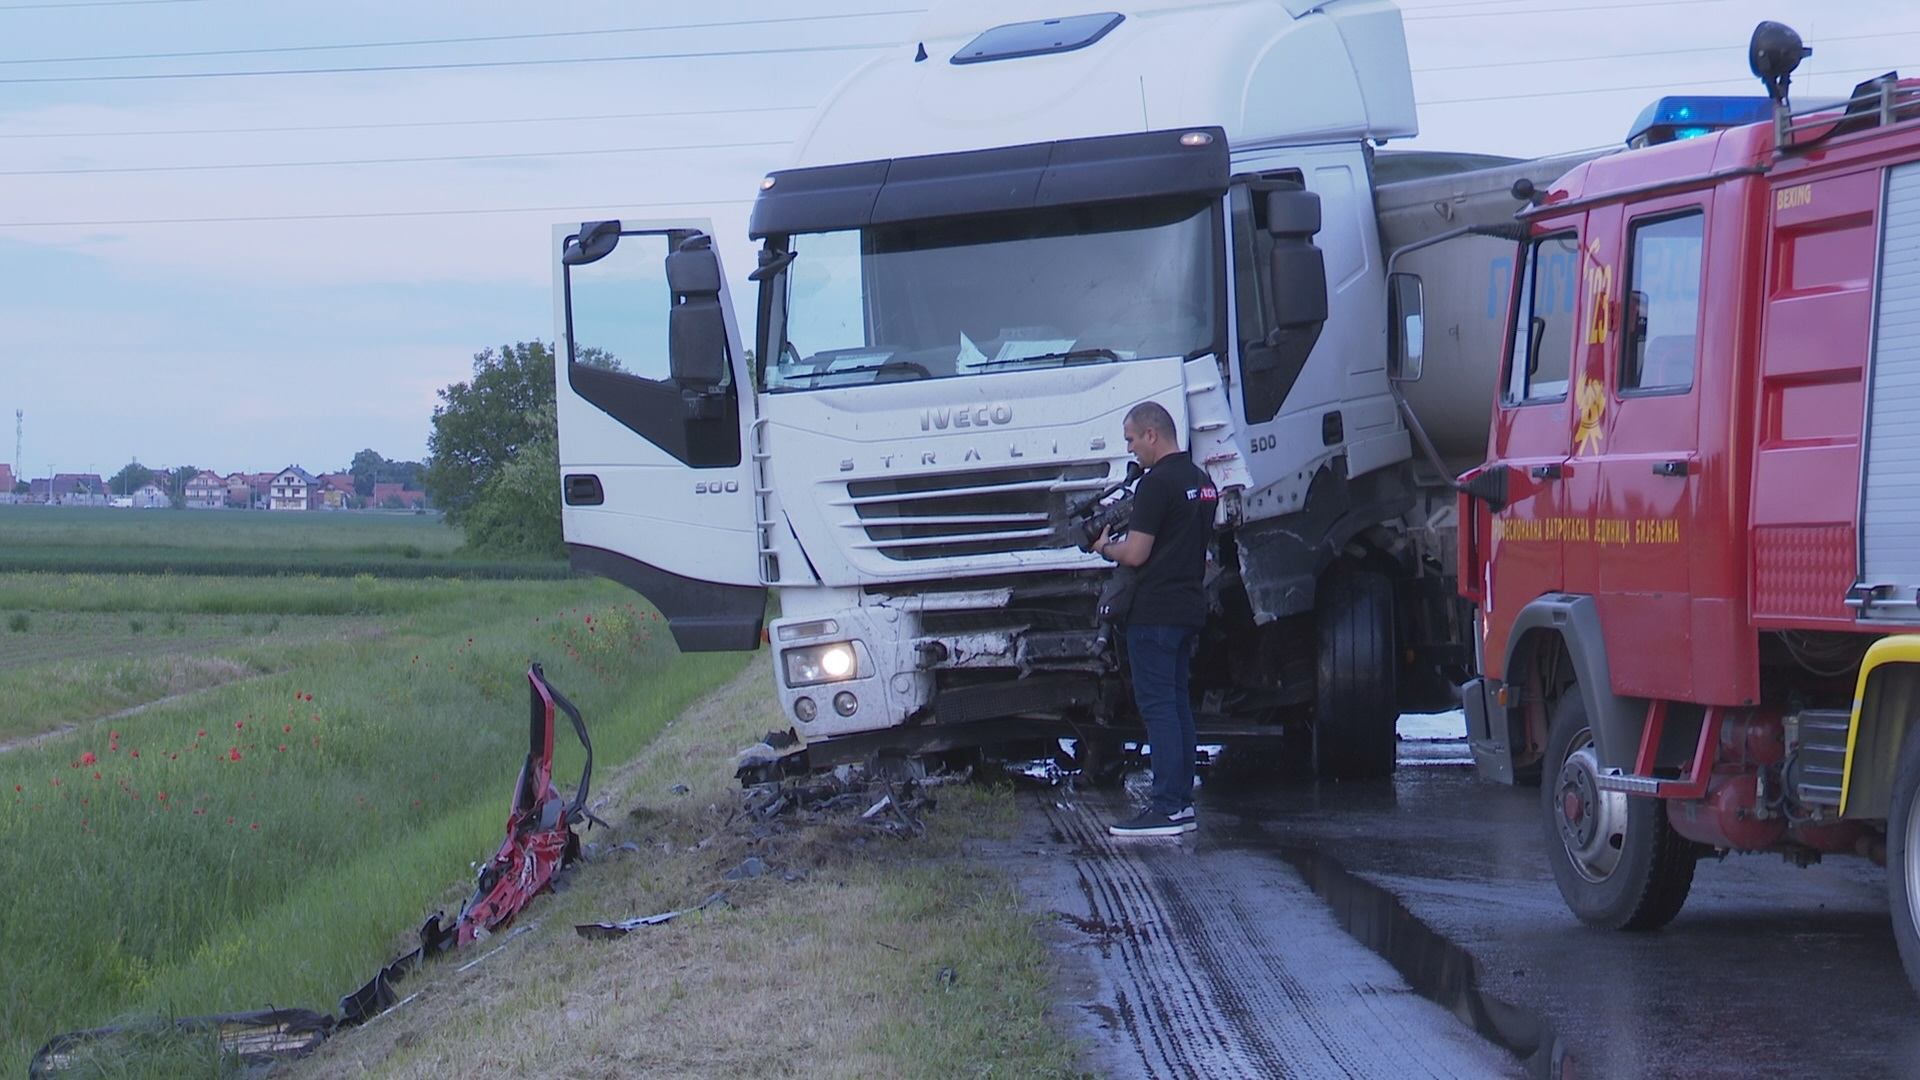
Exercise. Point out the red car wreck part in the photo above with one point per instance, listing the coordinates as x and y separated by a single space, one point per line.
540 837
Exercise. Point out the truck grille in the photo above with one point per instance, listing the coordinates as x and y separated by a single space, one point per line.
982 512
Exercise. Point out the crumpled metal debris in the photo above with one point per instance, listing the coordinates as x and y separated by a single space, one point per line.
602 930
848 795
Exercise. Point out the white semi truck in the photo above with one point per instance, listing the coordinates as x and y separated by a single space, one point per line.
992 243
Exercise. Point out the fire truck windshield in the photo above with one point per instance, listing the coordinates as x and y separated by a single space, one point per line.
985 295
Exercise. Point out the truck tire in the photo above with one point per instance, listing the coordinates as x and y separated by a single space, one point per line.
1618 862
1356 701
1903 857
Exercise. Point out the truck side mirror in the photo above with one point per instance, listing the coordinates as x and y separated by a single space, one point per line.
1406 336
696 327
1299 270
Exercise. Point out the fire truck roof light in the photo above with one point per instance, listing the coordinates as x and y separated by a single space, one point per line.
1672 118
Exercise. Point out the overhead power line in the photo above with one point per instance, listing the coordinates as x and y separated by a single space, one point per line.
224 166
545 36
1609 9
289 128
1803 75
92 4
1735 50
377 68
590 208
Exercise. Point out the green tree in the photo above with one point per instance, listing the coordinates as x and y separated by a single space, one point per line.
517 512
366 471
481 424
130 479
21 487
176 482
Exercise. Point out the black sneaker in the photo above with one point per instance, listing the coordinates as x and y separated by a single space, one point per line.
1149 823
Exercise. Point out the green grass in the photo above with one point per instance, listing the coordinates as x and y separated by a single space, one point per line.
244 543
215 872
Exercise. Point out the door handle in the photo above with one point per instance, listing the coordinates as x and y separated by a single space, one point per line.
1672 468
1544 472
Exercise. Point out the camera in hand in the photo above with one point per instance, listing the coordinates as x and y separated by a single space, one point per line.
1092 516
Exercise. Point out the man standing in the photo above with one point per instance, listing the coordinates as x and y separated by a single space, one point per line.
1173 510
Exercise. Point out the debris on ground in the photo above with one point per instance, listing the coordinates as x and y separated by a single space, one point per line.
849 795
601 931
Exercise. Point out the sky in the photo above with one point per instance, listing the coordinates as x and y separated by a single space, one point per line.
240 235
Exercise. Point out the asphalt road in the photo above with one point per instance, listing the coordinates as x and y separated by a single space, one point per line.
1411 928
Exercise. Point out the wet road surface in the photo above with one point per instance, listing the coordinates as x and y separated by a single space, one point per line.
1411 928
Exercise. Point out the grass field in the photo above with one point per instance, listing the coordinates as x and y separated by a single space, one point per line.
58 539
188 753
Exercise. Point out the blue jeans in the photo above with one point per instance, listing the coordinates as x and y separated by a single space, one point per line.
1159 656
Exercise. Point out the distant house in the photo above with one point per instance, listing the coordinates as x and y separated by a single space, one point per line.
240 489
148 496
78 489
337 491
293 488
206 491
6 478
39 491
396 497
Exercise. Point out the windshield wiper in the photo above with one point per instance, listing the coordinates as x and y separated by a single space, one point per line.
1069 356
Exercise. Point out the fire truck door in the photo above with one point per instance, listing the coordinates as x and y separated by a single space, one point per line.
1532 434
655 404
1645 440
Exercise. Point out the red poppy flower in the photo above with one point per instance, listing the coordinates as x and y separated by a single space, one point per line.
239 724
202 733
88 758
233 754
288 728
136 753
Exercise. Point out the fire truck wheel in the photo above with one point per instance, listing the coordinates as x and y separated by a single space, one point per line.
1903 857
1619 864
1356 704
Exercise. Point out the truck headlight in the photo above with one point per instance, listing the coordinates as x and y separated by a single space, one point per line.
821 664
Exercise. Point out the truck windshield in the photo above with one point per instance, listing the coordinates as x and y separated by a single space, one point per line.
978 296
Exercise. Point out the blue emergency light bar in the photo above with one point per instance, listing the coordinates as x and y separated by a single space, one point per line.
1673 118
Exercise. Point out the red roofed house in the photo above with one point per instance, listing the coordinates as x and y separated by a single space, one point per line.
336 490
6 479
396 497
206 491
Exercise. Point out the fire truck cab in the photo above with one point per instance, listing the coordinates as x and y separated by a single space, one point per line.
1694 549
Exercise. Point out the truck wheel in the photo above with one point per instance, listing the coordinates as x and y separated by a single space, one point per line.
1903 857
1618 862
1356 702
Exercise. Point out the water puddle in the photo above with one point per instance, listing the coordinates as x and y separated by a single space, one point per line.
1435 967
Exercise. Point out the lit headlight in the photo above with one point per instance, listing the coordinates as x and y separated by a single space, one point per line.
821 664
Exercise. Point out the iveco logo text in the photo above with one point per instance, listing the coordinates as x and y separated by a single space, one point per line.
966 416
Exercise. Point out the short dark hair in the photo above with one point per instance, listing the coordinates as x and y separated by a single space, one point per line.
1150 414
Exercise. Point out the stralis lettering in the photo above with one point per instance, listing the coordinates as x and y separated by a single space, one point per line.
966 416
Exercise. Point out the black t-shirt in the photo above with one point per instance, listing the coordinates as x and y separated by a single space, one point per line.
1174 503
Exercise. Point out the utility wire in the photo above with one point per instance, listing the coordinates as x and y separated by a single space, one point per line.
371 68
1722 49
547 36
390 161
1803 75
1609 9
93 4
370 214
397 124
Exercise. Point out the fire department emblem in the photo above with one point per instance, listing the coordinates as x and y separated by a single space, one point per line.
1592 400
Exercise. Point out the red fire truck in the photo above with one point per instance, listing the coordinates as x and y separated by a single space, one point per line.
1694 549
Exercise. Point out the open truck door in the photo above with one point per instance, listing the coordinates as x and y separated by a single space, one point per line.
655 406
